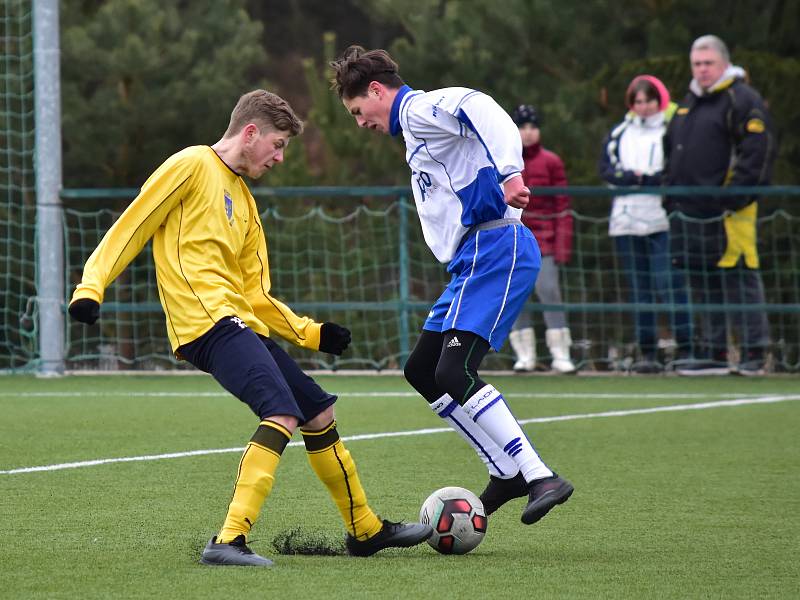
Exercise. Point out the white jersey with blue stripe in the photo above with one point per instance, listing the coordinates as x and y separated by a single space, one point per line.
461 146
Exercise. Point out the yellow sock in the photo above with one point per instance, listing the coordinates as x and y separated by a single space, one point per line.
336 469
255 478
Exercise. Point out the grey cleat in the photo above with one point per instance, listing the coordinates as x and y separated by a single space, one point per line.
392 535
235 553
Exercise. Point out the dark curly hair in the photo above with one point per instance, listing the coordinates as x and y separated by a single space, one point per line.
357 68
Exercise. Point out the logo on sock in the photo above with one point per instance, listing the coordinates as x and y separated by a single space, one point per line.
482 400
454 343
444 406
513 447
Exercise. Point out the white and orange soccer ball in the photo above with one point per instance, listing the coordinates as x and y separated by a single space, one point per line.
457 517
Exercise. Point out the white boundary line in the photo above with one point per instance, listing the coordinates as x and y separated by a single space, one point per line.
375 436
386 394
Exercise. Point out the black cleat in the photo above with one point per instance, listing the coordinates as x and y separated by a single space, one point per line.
393 535
234 553
544 494
499 491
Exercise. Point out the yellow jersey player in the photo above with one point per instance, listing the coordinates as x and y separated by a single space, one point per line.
212 268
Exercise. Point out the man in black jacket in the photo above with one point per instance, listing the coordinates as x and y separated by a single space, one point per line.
720 135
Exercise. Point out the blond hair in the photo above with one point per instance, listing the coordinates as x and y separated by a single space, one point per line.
267 111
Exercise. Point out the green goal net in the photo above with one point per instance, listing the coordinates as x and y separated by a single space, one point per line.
361 261
18 340
357 262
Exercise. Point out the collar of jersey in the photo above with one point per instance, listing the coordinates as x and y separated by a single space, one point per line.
394 116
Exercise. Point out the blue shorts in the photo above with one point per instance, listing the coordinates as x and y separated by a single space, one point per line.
257 371
493 274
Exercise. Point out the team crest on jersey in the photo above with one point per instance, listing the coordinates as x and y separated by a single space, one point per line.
228 206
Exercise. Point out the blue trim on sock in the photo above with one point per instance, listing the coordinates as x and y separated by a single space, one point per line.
469 435
448 409
487 407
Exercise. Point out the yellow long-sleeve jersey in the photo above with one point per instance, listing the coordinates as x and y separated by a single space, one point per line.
209 250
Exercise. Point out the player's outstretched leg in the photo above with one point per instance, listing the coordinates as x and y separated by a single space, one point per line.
253 485
366 533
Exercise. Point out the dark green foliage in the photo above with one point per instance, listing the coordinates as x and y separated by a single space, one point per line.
575 62
350 156
143 78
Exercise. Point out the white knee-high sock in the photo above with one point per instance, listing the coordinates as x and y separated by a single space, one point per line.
488 409
498 463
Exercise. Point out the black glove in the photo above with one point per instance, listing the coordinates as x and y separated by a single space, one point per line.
84 310
333 338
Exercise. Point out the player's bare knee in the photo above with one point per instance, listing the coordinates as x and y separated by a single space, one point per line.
322 420
288 422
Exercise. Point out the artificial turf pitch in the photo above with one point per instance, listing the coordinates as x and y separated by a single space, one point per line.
685 488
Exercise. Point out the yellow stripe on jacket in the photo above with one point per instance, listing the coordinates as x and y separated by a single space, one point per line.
209 250
740 229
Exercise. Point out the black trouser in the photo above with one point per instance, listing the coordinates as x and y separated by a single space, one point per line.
696 247
737 285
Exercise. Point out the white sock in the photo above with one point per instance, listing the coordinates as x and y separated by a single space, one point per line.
497 462
488 409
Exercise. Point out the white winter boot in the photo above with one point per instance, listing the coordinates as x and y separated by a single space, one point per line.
523 341
559 341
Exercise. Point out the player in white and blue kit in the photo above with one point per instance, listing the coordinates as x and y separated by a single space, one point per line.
465 156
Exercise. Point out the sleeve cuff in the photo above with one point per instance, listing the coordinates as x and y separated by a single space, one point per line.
85 292
313 334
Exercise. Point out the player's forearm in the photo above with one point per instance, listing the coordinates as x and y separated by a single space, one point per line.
128 235
105 264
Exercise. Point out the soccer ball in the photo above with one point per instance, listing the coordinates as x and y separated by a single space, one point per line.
458 520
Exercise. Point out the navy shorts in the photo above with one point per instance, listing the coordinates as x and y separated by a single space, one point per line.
257 371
